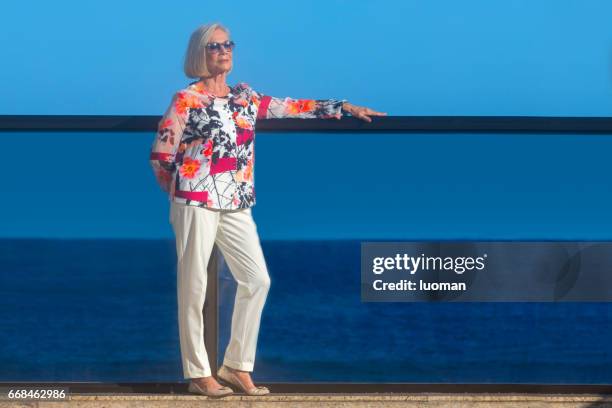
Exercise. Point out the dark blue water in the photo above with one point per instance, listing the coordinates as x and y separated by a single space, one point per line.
105 310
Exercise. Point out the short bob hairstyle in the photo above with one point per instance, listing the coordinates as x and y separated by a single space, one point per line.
195 57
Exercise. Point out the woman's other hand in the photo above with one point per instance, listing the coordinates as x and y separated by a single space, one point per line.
361 112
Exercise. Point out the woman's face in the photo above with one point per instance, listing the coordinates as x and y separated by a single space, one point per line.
220 61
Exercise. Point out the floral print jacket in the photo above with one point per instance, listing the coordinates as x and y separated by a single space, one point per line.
204 149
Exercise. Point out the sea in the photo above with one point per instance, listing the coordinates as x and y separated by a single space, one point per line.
106 311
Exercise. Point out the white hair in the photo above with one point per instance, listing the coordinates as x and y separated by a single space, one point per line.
195 57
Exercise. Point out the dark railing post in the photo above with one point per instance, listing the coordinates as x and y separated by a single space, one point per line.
211 310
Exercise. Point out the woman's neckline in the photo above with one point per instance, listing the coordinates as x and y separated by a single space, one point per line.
199 86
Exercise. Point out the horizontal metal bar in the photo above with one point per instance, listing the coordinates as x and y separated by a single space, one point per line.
516 124
330 387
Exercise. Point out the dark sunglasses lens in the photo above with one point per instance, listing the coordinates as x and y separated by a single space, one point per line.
216 47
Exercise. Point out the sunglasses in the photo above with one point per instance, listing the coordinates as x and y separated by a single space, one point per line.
215 47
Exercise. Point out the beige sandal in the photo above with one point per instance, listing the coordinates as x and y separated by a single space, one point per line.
219 392
226 376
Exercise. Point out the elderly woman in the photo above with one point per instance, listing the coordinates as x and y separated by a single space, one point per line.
203 156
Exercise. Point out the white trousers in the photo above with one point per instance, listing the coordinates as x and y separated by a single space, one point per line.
196 230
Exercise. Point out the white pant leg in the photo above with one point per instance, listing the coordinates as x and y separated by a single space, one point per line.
239 243
195 231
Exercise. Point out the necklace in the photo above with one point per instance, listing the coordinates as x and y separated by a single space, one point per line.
202 88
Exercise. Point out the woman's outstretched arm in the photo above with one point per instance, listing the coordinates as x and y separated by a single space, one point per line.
271 107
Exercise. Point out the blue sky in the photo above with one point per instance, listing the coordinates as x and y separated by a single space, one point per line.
523 58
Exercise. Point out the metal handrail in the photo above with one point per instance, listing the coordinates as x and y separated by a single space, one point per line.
455 124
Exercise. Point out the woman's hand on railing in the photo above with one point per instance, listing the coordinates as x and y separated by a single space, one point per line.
361 112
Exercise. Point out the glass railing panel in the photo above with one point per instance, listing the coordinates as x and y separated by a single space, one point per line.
88 274
321 195
87 263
